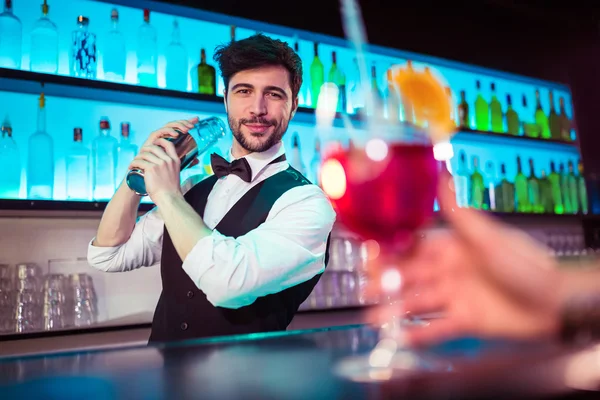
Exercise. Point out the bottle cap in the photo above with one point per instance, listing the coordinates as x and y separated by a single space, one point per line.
77 134
42 100
125 129
45 8
83 20
146 15
114 14
104 123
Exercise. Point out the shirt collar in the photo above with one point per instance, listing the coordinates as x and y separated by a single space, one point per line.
259 161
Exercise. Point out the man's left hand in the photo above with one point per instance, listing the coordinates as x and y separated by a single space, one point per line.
161 167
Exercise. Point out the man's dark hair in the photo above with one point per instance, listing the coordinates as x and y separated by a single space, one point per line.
255 52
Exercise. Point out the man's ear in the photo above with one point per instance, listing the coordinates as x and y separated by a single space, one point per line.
294 107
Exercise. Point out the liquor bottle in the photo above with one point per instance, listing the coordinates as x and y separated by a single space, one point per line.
40 161
477 186
126 152
564 189
146 53
521 189
10 163
337 77
505 193
565 122
357 96
303 99
317 77
553 119
533 184
461 181
489 196
83 52
44 44
463 111
11 32
104 162
540 118
572 189
529 129
546 197
177 62
482 111
296 159
315 164
78 168
206 76
232 32
377 95
495 112
582 189
555 187
392 98
114 54
512 119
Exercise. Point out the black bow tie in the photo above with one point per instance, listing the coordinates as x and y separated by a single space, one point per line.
240 167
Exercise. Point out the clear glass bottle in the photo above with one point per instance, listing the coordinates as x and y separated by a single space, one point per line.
177 62
315 164
392 98
114 53
10 163
303 97
104 162
461 181
44 44
296 156
40 160
11 33
146 53
490 178
126 153
206 75
83 50
357 97
78 168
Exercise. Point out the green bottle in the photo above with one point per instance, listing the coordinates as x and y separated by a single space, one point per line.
554 179
512 119
505 193
582 190
554 120
521 189
572 189
317 77
564 189
540 118
337 77
206 76
533 184
463 111
546 194
496 112
565 122
529 129
477 186
482 111
489 196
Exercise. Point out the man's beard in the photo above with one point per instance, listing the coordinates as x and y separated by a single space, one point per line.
278 132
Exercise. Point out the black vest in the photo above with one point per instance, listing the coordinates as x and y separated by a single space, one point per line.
183 312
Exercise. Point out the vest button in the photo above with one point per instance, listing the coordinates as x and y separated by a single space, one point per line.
184 326
190 294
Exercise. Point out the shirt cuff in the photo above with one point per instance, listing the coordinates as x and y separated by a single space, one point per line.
201 258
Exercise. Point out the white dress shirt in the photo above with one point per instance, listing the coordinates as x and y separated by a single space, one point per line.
284 251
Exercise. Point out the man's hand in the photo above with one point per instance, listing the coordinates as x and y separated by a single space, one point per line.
487 279
159 161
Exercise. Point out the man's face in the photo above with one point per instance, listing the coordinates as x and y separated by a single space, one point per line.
259 106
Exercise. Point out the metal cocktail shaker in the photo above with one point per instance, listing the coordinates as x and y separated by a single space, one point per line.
187 145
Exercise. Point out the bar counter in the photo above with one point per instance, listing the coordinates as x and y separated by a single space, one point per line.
304 365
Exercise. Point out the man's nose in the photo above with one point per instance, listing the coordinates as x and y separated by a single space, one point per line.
259 106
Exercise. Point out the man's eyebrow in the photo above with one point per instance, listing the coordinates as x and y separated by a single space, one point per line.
242 85
268 88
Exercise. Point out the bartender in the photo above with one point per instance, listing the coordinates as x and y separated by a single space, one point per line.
242 249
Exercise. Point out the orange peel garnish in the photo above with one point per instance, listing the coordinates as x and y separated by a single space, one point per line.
428 98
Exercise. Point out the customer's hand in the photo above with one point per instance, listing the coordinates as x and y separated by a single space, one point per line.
486 278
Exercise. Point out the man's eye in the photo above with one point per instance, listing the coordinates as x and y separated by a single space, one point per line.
276 95
243 91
